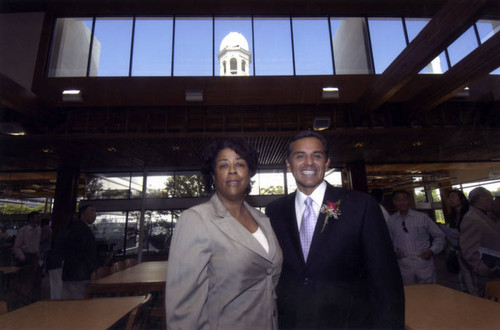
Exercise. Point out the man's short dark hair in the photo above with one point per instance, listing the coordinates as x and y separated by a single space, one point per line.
82 209
307 134
402 192
32 214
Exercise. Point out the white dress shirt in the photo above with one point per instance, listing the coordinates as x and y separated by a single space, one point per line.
317 196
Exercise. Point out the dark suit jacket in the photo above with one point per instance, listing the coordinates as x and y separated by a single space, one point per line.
351 278
80 252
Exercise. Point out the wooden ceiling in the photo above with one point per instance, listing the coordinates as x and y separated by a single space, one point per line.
399 118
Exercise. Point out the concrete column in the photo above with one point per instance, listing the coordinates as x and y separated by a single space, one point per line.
357 175
64 198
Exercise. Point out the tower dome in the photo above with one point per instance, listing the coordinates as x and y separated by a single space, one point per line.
234 56
234 40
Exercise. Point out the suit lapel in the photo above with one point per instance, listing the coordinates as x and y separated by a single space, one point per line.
333 195
236 232
289 219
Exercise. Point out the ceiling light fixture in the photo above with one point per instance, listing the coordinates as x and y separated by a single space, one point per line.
194 96
12 128
330 93
72 95
463 93
321 123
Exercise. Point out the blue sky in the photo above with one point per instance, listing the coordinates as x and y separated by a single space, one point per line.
194 53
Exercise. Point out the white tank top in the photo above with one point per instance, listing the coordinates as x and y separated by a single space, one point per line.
261 238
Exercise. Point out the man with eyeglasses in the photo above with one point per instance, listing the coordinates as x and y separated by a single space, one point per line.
416 239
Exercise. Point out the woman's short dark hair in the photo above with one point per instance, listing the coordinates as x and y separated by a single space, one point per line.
240 146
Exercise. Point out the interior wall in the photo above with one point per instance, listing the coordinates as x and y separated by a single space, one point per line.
19 39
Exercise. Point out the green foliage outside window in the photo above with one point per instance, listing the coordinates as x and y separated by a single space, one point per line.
272 190
19 209
420 197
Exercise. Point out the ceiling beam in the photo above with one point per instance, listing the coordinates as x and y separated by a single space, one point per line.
478 63
455 17
15 97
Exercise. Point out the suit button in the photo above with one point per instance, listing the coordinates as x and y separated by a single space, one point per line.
269 271
307 281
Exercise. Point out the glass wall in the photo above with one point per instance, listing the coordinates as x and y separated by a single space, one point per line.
109 231
153 40
465 44
486 29
273 47
244 46
351 46
413 28
233 40
388 40
70 47
268 182
113 186
311 42
193 47
111 47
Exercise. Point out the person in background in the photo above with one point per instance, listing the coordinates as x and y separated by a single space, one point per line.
5 247
416 239
378 194
495 210
80 254
459 205
27 245
224 260
45 241
4 234
339 268
480 241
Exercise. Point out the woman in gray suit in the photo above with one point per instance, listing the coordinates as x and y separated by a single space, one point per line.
224 261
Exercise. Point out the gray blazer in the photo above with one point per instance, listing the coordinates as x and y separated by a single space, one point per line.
219 276
478 231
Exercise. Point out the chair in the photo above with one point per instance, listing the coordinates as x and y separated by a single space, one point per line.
492 291
3 307
138 318
130 262
117 266
100 273
24 288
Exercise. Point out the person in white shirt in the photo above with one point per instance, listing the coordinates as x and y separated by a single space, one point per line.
27 245
416 239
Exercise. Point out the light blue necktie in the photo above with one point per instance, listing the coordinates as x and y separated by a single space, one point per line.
307 227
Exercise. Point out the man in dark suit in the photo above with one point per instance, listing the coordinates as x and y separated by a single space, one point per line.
80 254
344 272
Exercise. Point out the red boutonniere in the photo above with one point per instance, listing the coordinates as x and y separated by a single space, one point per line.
331 209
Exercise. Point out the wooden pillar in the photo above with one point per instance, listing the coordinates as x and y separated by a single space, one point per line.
64 198
357 175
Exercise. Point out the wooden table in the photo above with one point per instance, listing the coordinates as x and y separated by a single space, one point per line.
86 314
10 269
146 275
431 306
